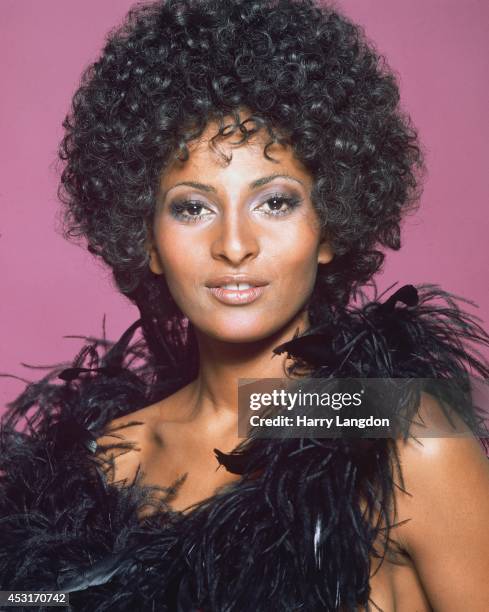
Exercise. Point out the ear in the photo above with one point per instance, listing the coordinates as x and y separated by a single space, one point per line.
325 252
155 264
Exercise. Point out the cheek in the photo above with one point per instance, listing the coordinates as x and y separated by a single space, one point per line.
179 246
299 260
299 274
177 270
180 264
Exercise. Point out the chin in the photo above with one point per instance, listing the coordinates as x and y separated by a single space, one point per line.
237 335
241 331
245 337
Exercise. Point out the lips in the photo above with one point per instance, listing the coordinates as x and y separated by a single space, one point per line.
231 281
237 297
236 289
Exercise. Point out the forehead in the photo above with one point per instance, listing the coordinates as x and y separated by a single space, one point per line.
225 159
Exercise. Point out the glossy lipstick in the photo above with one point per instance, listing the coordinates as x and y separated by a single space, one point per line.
237 296
227 288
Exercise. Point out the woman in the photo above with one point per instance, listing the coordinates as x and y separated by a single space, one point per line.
215 145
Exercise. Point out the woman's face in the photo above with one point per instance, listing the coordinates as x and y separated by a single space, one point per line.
252 218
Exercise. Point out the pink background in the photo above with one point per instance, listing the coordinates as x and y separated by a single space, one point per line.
51 288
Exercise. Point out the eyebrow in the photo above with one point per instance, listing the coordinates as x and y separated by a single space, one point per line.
253 185
267 179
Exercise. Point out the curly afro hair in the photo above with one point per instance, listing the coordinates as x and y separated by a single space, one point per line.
306 75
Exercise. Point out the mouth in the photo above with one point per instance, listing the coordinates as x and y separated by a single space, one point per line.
238 293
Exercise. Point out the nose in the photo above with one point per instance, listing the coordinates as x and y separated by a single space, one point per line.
235 239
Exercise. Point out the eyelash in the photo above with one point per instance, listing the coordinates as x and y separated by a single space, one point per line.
177 208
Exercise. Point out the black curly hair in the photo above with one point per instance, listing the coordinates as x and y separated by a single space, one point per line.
304 73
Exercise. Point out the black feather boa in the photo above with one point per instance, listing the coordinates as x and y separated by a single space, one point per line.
289 535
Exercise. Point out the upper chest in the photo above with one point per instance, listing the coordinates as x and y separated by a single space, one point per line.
177 458
183 463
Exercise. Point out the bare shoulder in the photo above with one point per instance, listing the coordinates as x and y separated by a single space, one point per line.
444 509
449 455
442 466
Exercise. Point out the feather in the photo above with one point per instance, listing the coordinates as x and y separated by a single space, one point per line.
290 535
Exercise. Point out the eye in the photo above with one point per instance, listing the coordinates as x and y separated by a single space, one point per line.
188 211
280 204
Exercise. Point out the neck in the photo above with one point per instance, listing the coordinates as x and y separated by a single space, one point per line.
213 395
